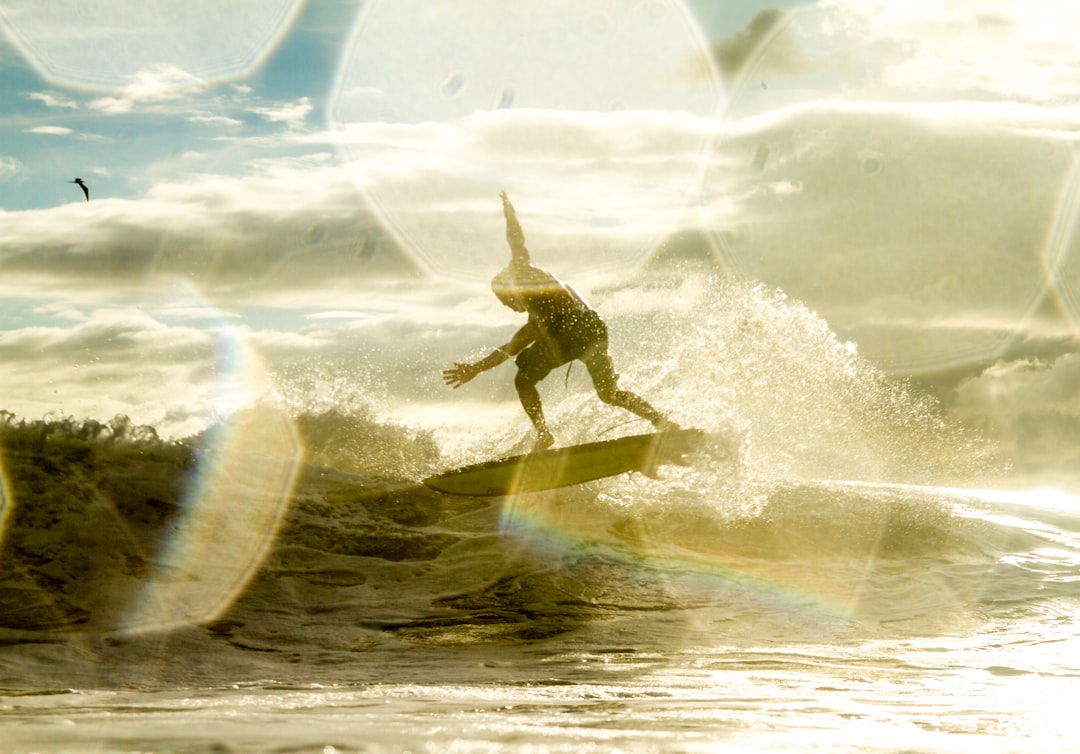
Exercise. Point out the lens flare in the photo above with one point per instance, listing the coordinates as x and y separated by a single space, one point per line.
233 503
594 116
826 551
232 510
117 529
7 500
145 48
883 214
550 525
1062 261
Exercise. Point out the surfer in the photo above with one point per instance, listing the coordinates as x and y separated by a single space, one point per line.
561 328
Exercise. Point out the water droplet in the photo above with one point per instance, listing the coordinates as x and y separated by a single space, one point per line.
872 165
453 84
598 25
315 234
657 9
365 250
761 157
506 98
1048 148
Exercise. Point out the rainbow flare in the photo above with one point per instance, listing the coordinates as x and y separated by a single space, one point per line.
233 503
557 523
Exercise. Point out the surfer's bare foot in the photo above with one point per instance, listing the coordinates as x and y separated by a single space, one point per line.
544 440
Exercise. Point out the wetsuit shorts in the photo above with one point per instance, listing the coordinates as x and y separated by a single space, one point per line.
551 350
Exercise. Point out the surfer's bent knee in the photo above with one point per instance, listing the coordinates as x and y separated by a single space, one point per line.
522 381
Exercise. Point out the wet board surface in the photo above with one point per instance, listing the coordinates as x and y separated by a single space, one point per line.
561 467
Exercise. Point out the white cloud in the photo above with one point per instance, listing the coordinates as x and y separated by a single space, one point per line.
875 214
1031 407
51 130
194 313
157 84
10 166
72 315
918 51
352 314
61 311
214 120
1023 51
65 131
285 233
907 219
615 183
1007 390
179 362
178 377
53 99
293 114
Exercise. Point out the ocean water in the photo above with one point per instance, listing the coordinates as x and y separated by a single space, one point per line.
846 569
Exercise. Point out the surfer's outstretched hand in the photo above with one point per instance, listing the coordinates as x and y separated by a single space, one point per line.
460 374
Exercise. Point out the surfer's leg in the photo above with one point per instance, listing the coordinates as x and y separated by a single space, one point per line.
606 381
534 364
530 401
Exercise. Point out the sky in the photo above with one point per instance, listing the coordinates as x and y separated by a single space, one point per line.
302 198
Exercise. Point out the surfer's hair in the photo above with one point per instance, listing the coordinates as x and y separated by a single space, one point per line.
505 281
518 280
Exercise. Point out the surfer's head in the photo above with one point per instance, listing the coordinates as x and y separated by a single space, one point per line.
516 284
507 288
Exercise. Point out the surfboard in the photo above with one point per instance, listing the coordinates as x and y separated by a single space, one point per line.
562 467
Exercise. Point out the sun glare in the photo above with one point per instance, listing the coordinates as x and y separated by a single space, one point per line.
145 49
520 92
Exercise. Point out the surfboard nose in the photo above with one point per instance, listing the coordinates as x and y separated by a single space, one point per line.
674 447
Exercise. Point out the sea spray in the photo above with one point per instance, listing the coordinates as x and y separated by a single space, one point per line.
740 358
818 454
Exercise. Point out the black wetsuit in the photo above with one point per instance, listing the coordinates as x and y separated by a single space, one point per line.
563 328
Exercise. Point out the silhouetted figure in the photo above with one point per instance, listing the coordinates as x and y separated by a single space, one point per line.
561 328
83 186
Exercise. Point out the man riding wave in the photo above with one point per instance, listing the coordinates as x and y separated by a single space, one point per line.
561 327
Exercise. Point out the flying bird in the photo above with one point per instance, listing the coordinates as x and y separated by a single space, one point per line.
83 186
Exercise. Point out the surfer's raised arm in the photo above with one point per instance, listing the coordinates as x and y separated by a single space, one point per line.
515 236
